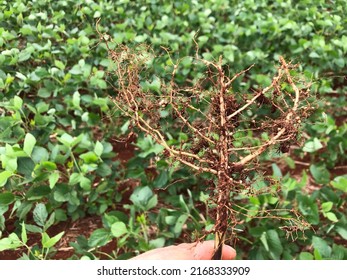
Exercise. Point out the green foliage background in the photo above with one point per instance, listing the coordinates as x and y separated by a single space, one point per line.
59 130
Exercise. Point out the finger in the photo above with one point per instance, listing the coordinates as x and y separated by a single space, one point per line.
204 251
168 253
187 251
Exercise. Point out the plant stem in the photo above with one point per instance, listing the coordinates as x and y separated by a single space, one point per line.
222 188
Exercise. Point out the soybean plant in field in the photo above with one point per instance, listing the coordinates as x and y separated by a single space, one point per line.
229 133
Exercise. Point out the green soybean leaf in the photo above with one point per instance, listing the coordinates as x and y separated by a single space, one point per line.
10 242
305 256
312 146
152 202
48 242
66 140
33 229
170 220
17 102
274 245
183 204
264 241
69 141
317 255
62 193
4 175
339 252
50 221
157 243
25 166
10 163
161 179
44 92
76 99
53 179
49 165
39 154
24 209
104 170
277 173
99 237
75 178
6 198
40 214
44 238
320 174
24 234
2 222
59 64
340 183
342 231
38 192
321 246
85 183
98 149
118 229
60 215
29 144
89 157
141 197
331 216
180 223
326 206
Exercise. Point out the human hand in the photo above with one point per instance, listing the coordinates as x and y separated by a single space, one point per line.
187 251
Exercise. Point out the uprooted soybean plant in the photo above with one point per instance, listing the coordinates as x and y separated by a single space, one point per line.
229 133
